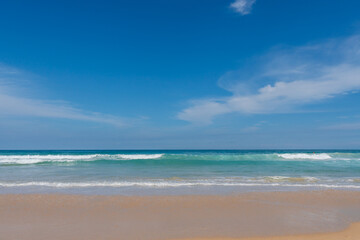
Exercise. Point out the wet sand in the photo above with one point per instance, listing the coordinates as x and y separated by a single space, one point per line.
57 216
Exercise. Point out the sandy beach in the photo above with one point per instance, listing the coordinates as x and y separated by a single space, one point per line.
351 233
179 120
313 215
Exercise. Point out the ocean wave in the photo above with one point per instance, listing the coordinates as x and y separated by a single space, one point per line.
137 156
314 156
168 184
274 179
179 158
33 159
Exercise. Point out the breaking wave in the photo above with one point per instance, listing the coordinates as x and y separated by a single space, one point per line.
33 159
314 156
179 158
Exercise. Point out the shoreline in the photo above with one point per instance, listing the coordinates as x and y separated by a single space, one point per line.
241 216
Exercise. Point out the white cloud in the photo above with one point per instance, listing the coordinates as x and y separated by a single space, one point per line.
284 79
242 6
12 103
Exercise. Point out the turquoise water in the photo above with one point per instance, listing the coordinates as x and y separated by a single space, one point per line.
164 171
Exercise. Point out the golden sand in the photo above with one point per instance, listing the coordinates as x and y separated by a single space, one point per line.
351 233
77 217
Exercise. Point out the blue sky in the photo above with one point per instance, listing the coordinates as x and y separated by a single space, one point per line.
238 74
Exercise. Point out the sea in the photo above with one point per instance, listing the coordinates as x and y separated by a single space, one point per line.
173 172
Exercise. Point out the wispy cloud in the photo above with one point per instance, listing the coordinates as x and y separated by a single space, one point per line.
12 103
242 6
284 79
343 126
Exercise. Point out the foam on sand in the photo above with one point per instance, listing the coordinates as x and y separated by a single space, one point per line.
175 184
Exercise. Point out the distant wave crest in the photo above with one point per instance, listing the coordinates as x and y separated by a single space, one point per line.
177 158
33 159
315 156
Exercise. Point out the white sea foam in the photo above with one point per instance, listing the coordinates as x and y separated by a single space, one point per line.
139 156
32 159
168 184
279 179
314 156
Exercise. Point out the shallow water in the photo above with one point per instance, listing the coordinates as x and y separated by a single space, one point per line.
178 172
